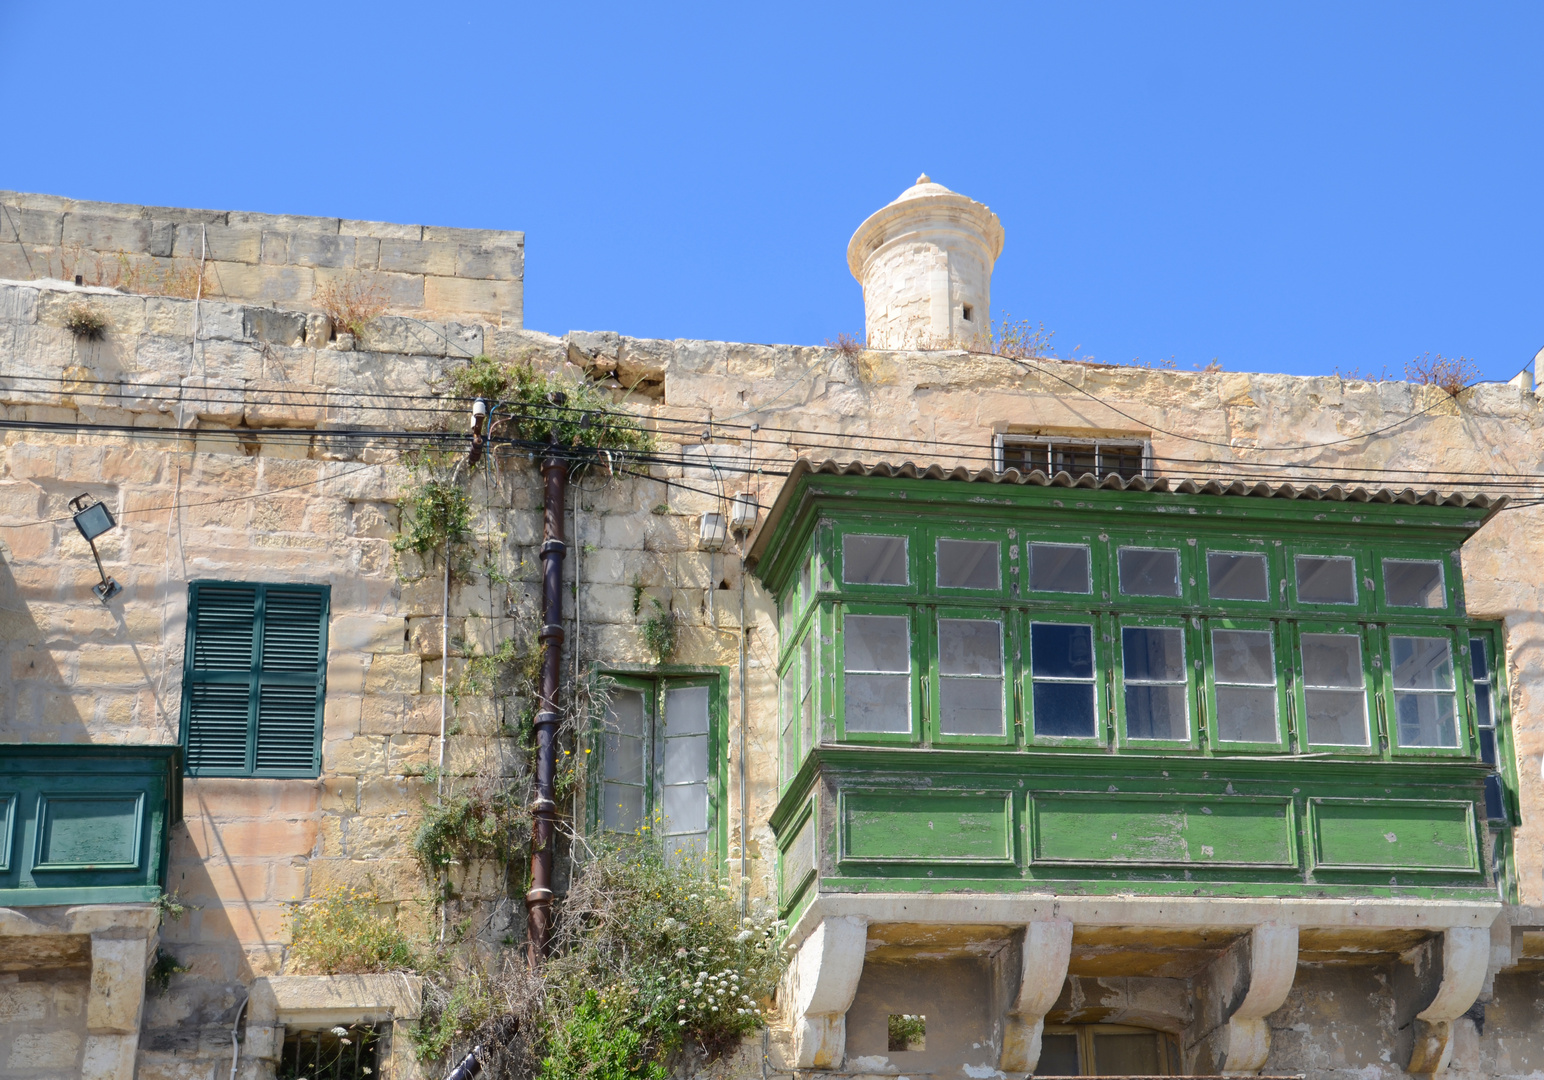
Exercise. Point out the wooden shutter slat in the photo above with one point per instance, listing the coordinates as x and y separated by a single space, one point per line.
292 630
224 626
217 726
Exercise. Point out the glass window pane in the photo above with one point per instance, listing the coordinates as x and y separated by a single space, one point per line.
1488 746
968 564
807 700
1076 460
970 706
790 721
1485 716
1332 660
1426 719
1061 651
686 808
1153 652
685 848
1234 576
1336 717
874 560
624 758
686 759
1495 804
1058 1056
1243 656
970 647
1146 572
686 711
876 703
1064 709
1124 461
625 712
1247 714
1156 712
1422 663
1413 584
1126 1055
1326 579
1059 568
877 642
623 809
1479 659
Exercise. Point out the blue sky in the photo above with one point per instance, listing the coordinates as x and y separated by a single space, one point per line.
1300 188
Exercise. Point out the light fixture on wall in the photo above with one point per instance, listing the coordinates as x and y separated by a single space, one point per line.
711 533
742 513
93 519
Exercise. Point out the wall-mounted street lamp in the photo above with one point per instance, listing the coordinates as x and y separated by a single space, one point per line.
93 519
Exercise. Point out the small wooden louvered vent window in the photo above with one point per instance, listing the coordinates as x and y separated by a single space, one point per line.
254 678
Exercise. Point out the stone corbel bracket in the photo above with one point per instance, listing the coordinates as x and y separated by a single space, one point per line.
1257 974
822 979
1046 954
1465 958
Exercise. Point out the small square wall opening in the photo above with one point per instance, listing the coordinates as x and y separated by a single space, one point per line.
908 1031
969 313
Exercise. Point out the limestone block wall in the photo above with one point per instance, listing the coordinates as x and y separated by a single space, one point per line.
284 259
43 1021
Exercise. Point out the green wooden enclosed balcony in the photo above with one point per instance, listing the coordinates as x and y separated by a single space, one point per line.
1011 682
86 824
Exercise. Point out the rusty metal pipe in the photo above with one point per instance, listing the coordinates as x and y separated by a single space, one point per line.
554 472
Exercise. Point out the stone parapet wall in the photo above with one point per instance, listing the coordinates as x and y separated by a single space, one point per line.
425 270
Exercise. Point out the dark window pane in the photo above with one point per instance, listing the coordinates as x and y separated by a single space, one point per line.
1156 712
1126 1055
1064 710
1479 659
1123 461
1488 746
970 706
1233 576
1337 717
1058 1056
1413 584
1485 717
1243 656
1025 457
874 560
1059 568
1426 719
1153 652
878 703
1332 660
968 564
1246 714
970 647
1326 579
1495 805
1061 651
1422 663
877 642
1075 460
1146 572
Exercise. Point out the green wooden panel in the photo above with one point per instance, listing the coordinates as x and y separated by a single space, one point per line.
947 827
797 861
1080 828
89 832
7 828
1394 834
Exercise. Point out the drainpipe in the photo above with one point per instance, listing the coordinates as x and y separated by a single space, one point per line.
554 472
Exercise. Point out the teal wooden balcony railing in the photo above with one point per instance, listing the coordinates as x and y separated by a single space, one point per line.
84 824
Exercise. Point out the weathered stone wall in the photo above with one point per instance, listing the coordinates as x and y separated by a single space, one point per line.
42 1022
284 259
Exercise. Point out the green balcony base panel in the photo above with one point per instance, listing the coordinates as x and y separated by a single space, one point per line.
110 894
870 819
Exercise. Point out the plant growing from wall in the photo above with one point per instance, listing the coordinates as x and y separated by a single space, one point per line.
1451 374
658 630
344 932
352 303
85 322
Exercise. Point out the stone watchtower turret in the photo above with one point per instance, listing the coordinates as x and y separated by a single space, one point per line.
925 264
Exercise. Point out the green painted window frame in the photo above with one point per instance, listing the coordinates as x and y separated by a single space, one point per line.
1098 568
1452 582
1363 575
1371 701
1103 660
919 619
1506 752
1010 651
1463 714
915 536
1006 541
256 678
1275 576
656 681
1188 632
1152 541
1281 661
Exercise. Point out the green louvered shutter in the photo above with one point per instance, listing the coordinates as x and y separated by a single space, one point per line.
255 677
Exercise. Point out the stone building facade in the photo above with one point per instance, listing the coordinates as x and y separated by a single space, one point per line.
241 441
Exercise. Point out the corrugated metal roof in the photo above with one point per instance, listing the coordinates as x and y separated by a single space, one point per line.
1258 489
